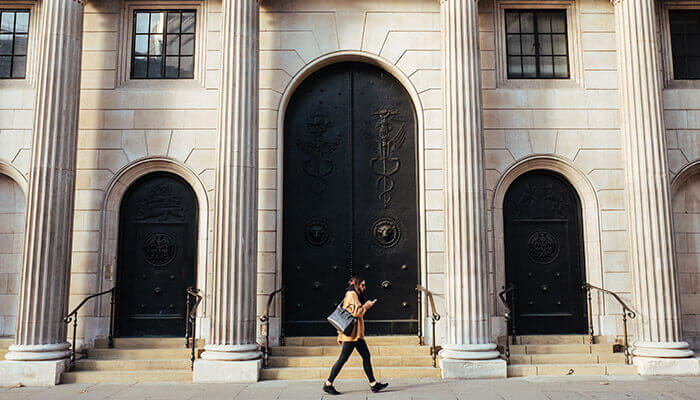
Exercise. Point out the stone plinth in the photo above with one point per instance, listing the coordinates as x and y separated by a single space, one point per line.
212 371
473 369
32 373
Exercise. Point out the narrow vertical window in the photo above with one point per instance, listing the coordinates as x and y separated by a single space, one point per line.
536 44
163 44
14 36
685 36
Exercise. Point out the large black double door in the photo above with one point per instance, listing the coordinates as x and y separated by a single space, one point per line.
543 254
350 195
157 251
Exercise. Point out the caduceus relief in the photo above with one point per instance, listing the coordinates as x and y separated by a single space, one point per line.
318 149
388 138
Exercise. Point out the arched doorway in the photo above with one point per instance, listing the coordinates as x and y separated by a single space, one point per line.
350 199
544 261
12 212
156 256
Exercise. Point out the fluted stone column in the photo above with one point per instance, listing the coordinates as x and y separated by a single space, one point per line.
41 333
232 354
651 249
468 323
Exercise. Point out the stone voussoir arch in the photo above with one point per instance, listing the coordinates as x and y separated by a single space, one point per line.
18 177
122 181
591 222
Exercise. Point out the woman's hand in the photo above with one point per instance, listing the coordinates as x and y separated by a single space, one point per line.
368 304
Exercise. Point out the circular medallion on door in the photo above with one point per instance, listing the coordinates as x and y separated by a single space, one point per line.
543 247
386 232
159 249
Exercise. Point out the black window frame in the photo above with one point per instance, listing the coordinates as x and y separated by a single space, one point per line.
163 50
14 34
682 59
536 34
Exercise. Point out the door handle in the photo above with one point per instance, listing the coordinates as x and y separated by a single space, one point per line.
386 284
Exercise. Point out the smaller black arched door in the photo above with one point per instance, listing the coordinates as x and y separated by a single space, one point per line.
157 252
544 254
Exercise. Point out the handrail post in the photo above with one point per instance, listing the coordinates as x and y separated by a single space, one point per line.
110 338
187 325
503 295
194 344
624 326
590 313
72 353
421 337
513 308
434 347
265 326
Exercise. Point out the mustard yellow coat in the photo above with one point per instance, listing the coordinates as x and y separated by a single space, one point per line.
352 304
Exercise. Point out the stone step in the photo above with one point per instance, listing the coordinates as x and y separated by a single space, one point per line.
517 370
371 340
554 339
354 361
132 365
145 343
574 358
349 373
127 376
561 348
335 350
140 354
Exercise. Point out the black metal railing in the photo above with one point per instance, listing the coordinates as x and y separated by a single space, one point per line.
435 317
193 298
626 313
265 327
72 317
508 315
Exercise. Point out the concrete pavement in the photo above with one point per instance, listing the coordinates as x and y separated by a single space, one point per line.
560 388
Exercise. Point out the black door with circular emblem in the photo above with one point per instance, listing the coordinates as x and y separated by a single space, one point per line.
544 254
157 252
350 199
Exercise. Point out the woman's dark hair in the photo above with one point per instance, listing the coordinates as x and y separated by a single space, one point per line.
355 279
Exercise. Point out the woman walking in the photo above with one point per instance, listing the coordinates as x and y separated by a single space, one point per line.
355 304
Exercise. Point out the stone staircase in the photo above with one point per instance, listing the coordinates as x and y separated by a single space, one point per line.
560 355
313 357
134 360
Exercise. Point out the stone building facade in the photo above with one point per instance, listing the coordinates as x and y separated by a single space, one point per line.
618 132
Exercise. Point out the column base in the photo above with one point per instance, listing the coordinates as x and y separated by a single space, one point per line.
215 371
231 352
662 349
668 366
38 352
473 369
486 351
32 373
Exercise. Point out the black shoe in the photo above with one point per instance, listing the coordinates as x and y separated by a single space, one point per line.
378 386
330 389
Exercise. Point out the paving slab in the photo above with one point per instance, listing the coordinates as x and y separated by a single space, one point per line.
530 388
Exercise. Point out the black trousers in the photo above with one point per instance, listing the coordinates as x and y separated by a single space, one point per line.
348 347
